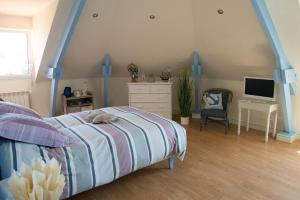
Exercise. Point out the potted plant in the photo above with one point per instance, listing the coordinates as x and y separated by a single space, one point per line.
184 96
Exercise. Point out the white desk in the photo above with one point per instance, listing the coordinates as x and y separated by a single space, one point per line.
267 107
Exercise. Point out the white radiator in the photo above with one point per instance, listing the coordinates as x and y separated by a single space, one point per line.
22 98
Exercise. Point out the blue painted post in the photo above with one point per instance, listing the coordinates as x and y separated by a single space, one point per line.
55 71
106 72
196 68
284 74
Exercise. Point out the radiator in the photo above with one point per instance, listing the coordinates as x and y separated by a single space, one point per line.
22 98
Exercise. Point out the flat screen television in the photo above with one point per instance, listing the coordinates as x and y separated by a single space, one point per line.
259 88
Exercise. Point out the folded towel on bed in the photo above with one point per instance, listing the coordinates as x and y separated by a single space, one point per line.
104 118
98 117
92 114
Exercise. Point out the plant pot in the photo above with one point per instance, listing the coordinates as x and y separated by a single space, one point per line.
184 120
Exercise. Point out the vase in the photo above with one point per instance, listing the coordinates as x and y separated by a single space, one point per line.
184 120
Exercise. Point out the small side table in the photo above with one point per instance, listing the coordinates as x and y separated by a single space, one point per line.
263 106
77 104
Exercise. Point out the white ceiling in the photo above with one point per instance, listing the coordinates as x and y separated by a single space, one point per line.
22 7
231 45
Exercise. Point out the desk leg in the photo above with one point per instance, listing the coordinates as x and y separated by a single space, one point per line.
239 122
268 127
275 124
248 120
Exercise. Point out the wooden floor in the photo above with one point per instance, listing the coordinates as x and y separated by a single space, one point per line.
215 167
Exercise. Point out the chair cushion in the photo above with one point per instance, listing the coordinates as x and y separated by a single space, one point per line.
213 101
213 113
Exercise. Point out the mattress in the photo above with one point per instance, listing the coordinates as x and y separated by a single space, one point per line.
101 153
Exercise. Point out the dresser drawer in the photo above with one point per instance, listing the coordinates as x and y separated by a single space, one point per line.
139 89
160 89
149 98
152 106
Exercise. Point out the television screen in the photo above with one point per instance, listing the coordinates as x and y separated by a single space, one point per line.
261 88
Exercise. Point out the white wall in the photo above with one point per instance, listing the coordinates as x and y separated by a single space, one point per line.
216 37
40 91
124 30
13 22
258 119
233 44
286 16
41 26
40 98
9 22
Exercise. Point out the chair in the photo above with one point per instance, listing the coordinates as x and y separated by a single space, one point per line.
215 114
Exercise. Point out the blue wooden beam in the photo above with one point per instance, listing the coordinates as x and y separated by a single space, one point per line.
55 71
106 72
284 74
196 69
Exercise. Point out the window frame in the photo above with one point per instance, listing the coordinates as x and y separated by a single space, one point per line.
29 56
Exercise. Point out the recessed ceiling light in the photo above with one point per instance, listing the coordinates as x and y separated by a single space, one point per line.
95 15
221 11
152 16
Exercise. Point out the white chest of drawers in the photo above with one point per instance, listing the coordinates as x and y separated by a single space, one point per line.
151 97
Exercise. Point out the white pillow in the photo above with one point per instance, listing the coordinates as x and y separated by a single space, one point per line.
213 101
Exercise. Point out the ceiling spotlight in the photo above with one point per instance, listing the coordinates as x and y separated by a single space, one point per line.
221 11
152 16
95 15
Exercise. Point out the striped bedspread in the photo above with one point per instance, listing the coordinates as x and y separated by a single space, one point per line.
103 152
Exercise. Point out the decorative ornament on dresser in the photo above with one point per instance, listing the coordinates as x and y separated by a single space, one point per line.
134 72
184 95
166 75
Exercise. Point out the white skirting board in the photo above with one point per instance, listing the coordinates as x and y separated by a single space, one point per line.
283 138
262 127
256 126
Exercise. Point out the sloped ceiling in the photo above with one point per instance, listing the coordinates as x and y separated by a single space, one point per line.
125 31
231 45
23 7
234 44
60 19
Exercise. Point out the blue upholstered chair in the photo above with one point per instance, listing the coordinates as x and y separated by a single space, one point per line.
217 114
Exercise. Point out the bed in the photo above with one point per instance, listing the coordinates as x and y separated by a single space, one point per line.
102 153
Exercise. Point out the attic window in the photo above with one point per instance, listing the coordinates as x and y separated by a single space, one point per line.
13 54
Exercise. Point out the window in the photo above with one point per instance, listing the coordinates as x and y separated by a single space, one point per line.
13 53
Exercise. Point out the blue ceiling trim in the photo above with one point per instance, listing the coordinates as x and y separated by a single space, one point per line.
284 74
55 71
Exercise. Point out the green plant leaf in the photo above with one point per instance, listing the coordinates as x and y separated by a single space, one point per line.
184 93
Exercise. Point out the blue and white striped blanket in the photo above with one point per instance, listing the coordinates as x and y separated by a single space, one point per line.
104 152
